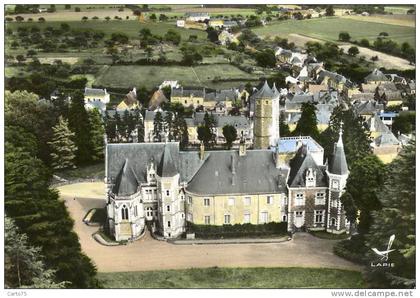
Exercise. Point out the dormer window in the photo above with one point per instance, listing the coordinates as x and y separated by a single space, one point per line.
310 178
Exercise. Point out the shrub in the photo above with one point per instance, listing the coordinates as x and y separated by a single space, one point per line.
237 230
353 249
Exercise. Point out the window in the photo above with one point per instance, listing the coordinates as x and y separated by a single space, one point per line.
207 220
124 213
284 201
231 201
284 218
264 217
168 208
206 202
334 203
247 218
319 216
169 224
167 193
335 184
333 221
227 219
299 213
269 200
189 200
135 211
185 102
320 198
247 201
299 199
149 211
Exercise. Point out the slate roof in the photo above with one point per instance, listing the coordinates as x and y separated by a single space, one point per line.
333 76
376 76
338 163
225 172
299 164
166 166
181 92
275 90
386 139
139 156
222 95
288 144
126 182
95 92
264 92
368 107
377 124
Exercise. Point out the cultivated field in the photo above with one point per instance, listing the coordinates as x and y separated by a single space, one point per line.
327 29
131 28
396 19
275 278
384 60
150 76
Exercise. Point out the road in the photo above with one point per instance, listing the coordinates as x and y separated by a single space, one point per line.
147 253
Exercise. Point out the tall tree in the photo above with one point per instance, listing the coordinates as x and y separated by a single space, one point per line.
230 134
210 123
359 202
138 118
24 265
283 127
80 124
398 217
97 133
158 127
44 218
307 124
355 136
63 148
169 126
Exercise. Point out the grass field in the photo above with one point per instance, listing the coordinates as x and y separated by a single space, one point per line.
131 28
396 19
235 278
327 29
96 171
150 76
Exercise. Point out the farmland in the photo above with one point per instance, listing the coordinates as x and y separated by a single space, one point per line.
396 19
150 76
327 29
131 28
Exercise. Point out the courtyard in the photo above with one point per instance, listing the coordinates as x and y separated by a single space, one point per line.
147 253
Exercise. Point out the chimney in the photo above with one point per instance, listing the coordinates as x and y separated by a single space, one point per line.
232 159
201 150
242 147
299 143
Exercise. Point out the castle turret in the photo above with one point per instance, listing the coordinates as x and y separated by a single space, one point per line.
171 217
266 117
338 173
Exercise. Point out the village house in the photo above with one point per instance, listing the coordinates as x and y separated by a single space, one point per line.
129 102
96 99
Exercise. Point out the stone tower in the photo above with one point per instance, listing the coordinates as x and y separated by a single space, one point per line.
170 198
266 117
338 173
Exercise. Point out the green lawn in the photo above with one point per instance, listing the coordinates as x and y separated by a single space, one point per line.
235 278
327 29
150 76
131 28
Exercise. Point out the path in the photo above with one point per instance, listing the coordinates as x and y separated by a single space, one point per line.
149 254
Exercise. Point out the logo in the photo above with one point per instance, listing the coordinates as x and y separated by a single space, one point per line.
384 254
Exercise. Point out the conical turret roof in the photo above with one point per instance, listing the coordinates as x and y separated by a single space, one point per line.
265 92
338 164
167 166
126 183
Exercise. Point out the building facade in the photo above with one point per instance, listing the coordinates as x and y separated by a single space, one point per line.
159 184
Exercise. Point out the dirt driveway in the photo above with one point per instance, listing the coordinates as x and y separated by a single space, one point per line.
149 254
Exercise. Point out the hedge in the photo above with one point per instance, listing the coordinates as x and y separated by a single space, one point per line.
352 249
237 230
